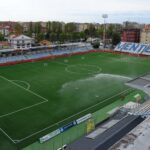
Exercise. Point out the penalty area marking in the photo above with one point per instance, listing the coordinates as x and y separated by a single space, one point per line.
39 96
83 66
21 81
26 89
7 135
99 69
60 63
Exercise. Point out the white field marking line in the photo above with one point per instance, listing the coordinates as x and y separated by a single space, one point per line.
105 57
92 71
60 63
7 135
72 116
28 85
45 100
85 65
67 70
8 114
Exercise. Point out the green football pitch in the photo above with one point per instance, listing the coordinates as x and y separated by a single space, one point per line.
39 97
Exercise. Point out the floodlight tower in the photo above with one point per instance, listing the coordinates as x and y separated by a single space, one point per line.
104 16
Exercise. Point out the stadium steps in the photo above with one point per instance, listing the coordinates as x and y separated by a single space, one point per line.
142 110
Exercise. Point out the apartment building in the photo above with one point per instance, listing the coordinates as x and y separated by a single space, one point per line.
145 35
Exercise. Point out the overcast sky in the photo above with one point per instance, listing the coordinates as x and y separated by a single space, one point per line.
75 10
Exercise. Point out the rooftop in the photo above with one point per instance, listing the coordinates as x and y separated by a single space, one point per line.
137 139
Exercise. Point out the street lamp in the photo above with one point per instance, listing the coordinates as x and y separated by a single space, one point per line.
104 16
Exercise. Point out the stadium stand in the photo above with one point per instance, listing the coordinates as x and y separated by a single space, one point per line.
16 56
142 110
133 48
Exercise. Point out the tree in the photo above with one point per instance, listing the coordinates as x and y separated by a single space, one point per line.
40 36
37 27
75 36
53 37
30 31
47 36
86 32
59 27
18 28
116 38
82 35
101 32
37 30
63 37
110 31
55 27
49 27
2 37
70 27
69 36
92 30
96 44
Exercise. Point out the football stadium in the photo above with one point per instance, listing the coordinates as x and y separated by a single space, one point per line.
56 91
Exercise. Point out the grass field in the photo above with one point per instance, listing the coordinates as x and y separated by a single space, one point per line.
38 97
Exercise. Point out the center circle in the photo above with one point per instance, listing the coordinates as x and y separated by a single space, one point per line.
83 69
